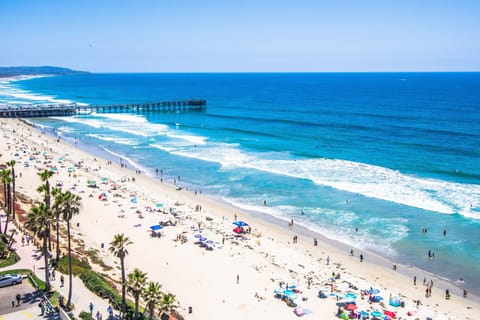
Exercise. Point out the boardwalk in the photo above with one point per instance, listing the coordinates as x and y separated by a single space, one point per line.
38 111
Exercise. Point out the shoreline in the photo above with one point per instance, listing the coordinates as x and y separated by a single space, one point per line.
276 232
383 261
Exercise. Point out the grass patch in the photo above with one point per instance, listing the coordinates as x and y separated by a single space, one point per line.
13 258
77 265
93 255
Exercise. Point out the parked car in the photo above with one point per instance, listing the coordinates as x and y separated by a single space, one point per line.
10 279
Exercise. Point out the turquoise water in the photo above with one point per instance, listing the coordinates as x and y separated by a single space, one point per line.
387 153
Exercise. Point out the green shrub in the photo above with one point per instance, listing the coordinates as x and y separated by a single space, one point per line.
77 265
12 258
102 288
85 316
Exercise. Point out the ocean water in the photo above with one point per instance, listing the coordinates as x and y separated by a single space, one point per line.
387 153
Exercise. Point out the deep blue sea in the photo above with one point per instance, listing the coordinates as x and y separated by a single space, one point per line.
387 153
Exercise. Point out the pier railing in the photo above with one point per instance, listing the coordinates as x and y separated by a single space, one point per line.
51 110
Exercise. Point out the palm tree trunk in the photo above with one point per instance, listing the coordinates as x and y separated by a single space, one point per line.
152 311
47 204
137 297
9 207
45 257
58 238
69 266
10 241
124 302
13 187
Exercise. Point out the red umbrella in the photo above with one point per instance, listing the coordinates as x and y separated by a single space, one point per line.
391 314
351 307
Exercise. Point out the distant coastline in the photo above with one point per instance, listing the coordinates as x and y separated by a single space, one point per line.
41 70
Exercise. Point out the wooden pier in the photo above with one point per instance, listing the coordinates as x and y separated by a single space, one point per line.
52 110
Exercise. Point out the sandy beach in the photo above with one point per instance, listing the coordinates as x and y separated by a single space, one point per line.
237 278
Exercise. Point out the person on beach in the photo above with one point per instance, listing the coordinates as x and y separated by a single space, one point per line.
91 308
328 260
62 280
315 242
18 297
361 257
110 312
238 278
351 252
415 280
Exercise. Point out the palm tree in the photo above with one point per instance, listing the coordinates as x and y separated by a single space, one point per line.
136 284
152 297
37 220
70 204
118 248
11 163
7 181
44 176
167 303
57 211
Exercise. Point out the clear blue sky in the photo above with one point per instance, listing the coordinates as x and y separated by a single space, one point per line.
242 35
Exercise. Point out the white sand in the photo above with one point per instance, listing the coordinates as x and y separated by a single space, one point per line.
206 280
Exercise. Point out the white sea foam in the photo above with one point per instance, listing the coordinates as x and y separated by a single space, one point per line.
197 140
116 139
8 90
367 180
339 228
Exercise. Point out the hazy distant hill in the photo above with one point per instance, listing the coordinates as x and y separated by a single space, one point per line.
18 71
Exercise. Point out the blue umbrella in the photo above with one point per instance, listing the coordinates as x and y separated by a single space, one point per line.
373 291
156 227
363 313
376 314
240 223
198 235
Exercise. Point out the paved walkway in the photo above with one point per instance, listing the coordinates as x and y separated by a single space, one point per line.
31 258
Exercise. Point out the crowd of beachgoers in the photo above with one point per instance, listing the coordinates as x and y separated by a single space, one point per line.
218 261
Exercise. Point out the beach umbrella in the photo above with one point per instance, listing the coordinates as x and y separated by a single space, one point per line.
351 295
156 227
351 307
391 314
376 314
91 182
377 298
363 313
373 291
70 169
159 205
53 169
240 223
133 200
198 235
